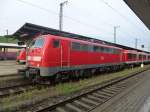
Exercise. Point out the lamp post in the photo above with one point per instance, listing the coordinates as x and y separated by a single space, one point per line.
61 15
115 31
142 64
136 42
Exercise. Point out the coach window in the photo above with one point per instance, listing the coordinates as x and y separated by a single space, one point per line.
56 43
134 56
140 56
129 56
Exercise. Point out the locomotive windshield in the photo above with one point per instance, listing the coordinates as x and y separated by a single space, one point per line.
38 43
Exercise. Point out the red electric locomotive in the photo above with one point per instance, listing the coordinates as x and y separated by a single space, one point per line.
53 56
21 57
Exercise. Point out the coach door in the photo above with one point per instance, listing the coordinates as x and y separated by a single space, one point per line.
65 53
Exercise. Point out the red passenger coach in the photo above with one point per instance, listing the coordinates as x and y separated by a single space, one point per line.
50 56
133 57
130 56
143 57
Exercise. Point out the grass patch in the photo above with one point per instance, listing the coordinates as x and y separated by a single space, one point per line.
60 89
69 87
8 39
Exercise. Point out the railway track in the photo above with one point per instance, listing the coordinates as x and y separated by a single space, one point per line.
89 99
10 75
15 89
11 80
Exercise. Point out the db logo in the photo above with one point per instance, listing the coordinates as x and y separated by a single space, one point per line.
102 58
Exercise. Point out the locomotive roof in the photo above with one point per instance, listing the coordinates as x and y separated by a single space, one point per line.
83 41
28 31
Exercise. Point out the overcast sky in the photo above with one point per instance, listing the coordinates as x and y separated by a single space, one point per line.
94 18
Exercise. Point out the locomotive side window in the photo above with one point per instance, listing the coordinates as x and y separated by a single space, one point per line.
75 46
84 47
102 49
107 50
56 43
96 48
90 48
116 51
93 48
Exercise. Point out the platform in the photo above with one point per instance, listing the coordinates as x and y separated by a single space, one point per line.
134 99
9 67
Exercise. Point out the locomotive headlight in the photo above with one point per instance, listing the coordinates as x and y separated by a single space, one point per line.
34 58
37 58
28 57
38 65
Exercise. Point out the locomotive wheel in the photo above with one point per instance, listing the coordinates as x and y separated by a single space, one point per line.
81 72
87 74
58 78
76 75
37 79
28 75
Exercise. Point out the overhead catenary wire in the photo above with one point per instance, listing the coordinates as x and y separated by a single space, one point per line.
100 30
70 18
142 32
124 17
75 20
112 26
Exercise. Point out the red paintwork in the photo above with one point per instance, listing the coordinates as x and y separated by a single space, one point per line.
51 57
22 55
126 58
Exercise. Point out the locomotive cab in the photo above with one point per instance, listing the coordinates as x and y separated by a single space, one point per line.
35 52
34 57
